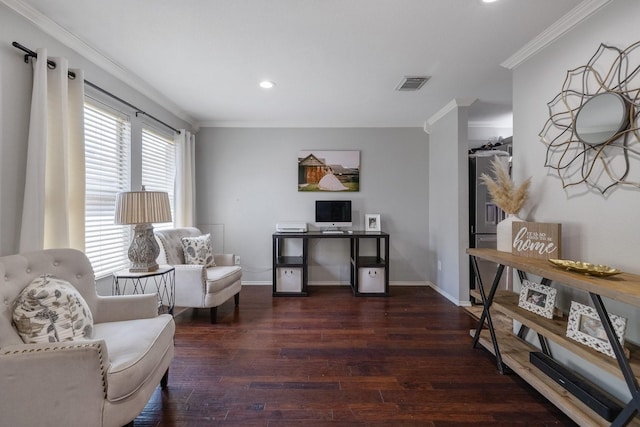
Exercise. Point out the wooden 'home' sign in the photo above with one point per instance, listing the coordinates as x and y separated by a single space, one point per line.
536 240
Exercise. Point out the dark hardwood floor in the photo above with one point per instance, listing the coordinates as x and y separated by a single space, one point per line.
332 359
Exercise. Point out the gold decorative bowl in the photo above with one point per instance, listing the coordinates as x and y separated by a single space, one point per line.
585 267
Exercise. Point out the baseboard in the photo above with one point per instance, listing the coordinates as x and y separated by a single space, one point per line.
456 301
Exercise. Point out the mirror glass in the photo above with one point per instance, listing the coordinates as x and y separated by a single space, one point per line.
600 118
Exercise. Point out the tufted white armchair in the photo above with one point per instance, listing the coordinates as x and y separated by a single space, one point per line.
102 381
197 286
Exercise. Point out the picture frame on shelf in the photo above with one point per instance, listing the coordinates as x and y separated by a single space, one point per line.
372 222
537 298
585 327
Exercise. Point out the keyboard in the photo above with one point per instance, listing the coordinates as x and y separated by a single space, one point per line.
332 232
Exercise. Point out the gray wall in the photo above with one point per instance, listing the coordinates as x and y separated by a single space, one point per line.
15 91
596 229
247 182
449 206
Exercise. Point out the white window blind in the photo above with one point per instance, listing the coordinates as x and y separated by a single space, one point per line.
107 152
158 165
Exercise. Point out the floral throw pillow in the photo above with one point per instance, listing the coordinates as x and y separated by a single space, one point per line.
197 250
51 310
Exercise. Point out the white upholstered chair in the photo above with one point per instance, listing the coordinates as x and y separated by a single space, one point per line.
198 286
104 380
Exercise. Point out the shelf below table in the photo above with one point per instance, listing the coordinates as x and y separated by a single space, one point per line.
515 354
555 329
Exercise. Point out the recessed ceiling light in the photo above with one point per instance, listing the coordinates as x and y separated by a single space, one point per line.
489 1
266 84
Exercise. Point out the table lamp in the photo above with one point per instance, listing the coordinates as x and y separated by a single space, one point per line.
143 208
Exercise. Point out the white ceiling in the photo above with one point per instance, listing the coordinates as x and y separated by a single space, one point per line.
334 62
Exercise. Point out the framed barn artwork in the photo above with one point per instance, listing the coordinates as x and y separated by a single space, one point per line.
329 171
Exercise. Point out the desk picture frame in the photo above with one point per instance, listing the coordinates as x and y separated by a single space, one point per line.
372 222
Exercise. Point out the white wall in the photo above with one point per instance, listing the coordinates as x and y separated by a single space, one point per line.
594 228
15 87
247 182
449 206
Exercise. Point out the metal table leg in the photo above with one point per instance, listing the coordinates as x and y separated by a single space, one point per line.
486 314
633 406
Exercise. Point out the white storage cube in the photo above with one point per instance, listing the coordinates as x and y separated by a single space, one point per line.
289 280
371 280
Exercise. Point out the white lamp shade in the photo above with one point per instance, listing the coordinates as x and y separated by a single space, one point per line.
142 207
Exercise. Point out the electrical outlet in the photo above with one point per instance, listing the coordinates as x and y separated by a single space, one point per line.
439 265
237 260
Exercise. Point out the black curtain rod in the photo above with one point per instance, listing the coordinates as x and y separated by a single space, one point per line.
51 64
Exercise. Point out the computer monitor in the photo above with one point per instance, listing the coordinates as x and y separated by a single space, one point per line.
333 213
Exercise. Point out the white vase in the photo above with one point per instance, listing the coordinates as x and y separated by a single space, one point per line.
504 231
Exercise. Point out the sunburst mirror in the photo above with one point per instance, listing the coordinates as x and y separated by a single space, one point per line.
592 134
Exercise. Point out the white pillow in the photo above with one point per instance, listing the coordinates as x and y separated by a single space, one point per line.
51 310
197 250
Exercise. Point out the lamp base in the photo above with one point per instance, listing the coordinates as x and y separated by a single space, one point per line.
143 250
149 269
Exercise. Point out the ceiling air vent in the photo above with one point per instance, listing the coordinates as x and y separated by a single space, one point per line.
412 83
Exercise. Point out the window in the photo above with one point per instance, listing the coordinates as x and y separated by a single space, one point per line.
158 165
107 157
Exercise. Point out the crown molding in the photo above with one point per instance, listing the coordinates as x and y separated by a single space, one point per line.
301 124
70 40
453 104
578 14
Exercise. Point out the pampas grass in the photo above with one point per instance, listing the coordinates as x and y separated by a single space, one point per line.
503 191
